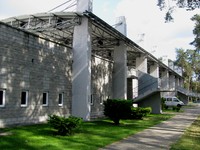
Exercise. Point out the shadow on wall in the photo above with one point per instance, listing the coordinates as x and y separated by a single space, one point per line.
33 65
101 84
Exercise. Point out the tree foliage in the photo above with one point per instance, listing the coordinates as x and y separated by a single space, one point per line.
196 32
117 109
170 5
189 60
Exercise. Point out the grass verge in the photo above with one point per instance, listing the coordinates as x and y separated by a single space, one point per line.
190 139
91 135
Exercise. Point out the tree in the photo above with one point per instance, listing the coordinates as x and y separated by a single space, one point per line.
196 43
196 32
187 4
189 60
170 5
182 60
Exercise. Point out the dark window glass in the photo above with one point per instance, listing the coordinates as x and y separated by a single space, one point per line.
1 97
23 98
44 98
60 101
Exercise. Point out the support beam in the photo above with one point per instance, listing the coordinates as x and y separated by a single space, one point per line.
81 71
120 72
141 63
84 5
121 25
154 70
172 82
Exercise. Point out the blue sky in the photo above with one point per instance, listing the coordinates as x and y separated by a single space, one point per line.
143 18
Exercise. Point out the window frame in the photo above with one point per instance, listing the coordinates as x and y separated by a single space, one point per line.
26 100
62 97
47 99
3 97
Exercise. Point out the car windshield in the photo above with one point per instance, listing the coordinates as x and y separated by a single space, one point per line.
176 100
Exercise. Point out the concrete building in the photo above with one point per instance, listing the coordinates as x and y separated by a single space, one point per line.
68 63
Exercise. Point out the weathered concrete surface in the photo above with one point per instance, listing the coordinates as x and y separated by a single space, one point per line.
161 136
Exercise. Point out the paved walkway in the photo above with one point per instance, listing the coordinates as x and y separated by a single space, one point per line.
161 136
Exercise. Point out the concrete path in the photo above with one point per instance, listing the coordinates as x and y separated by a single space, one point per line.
161 136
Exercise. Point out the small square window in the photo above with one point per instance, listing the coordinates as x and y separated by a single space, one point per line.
45 99
2 98
60 99
24 98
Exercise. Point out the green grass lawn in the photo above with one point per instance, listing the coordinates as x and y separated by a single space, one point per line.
91 135
190 139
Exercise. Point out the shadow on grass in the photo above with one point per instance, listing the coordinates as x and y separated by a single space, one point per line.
91 135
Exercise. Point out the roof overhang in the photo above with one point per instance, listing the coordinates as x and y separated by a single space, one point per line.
59 26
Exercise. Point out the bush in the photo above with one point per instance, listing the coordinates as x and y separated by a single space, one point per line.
176 108
64 126
117 109
139 113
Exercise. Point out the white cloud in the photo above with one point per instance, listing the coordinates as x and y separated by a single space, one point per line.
144 17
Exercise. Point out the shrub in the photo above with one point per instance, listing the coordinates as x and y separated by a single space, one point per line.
176 108
139 113
64 126
117 109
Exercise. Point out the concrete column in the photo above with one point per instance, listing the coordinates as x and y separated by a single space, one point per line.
81 72
120 72
165 80
171 64
181 82
141 63
83 5
176 81
172 82
154 70
121 25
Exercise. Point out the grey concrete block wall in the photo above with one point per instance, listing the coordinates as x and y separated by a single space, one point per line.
30 63
153 101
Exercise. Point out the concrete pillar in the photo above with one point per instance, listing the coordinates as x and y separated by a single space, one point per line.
141 63
171 64
132 76
172 82
165 80
120 72
176 81
154 70
120 64
81 72
83 5
121 25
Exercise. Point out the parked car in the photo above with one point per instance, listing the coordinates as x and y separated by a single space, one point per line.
171 101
